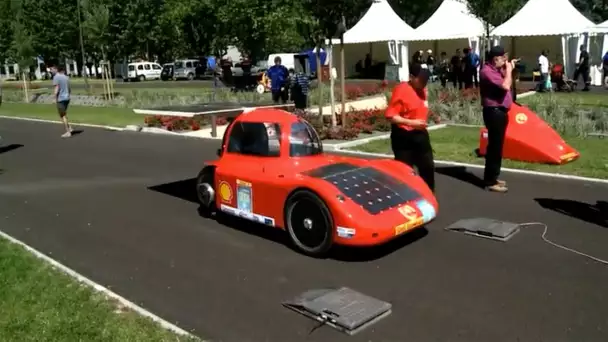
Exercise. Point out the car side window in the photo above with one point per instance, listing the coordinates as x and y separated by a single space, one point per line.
147 66
188 64
255 139
140 67
156 67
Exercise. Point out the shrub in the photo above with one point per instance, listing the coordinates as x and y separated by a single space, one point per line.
176 123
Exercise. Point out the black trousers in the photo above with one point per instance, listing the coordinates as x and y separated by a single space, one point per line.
414 149
457 79
280 96
475 78
584 72
496 121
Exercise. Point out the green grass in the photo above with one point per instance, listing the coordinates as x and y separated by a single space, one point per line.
108 116
459 143
585 99
38 303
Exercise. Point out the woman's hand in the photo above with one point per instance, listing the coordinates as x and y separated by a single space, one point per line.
417 124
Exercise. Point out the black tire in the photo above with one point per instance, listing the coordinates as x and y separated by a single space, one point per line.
206 176
309 223
190 76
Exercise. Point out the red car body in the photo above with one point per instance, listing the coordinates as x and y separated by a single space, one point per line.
369 201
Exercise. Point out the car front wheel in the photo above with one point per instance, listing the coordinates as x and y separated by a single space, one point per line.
309 223
205 191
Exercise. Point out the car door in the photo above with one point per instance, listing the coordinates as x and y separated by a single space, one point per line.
156 70
240 179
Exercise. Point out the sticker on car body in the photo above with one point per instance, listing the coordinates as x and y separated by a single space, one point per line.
244 196
404 227
427 210
269 221
347 233
225 191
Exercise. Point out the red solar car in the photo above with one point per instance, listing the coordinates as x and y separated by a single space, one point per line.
272 170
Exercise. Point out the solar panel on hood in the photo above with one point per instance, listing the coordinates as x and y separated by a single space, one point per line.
374 190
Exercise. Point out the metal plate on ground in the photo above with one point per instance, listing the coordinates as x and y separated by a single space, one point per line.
486 228
344 309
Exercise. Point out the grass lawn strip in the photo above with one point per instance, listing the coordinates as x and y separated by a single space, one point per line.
106 116
39 303
457 144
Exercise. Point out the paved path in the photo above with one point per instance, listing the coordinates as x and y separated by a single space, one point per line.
119 208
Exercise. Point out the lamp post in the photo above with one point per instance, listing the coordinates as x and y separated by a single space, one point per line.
84 60
341 31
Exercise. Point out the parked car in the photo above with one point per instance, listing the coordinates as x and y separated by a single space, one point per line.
167 72
188 69
142 71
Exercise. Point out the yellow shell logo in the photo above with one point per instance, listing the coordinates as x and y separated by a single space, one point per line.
521 118
225 192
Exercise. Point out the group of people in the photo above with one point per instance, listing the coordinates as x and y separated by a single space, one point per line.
288 84
409 113
460 69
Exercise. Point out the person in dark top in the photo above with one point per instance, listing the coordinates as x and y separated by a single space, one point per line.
475 63
430 61
583 68
279 76
299 88
444 69
456 69
226 65
417 58
605 69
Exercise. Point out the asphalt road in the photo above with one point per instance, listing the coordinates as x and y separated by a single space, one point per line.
119 208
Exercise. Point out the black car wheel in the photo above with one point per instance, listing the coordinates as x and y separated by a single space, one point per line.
205 191
309 223
190 77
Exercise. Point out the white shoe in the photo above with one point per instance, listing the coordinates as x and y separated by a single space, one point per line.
66 135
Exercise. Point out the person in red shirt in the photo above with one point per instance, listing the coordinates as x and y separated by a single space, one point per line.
408 111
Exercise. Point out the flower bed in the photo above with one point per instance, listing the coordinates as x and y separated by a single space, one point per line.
181 124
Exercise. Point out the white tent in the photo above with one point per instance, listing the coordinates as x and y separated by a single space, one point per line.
379 24
600 28
462 24
544 18
545 25
382 34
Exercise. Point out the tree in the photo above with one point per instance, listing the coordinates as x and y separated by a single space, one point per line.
96 25
494 12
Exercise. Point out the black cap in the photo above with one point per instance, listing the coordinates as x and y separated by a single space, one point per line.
496 51
418 71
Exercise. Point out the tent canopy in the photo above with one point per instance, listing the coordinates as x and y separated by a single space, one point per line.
379 24
544 18
455 13
600 28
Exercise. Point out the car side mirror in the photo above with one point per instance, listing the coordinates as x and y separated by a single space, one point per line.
219 152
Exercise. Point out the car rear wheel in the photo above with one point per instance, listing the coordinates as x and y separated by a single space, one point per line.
142 78
309 223
205 191
190 77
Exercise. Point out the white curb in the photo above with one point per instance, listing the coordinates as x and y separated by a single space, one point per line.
99 288
112 128
475 166
526 94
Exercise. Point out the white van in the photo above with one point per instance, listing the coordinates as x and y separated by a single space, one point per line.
287 59
142 71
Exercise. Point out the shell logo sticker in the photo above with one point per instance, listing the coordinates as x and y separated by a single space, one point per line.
521 118
225 191
408 212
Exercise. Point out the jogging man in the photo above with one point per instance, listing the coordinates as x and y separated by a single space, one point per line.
62 91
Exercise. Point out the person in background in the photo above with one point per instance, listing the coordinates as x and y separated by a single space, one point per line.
444 69
543 65
417 57
62 92
368 65
408 113
495 82
605 69
475 63
430 61
467 68
279 76
456 69
583 68
299 88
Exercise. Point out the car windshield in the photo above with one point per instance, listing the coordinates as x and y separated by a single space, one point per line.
179 65
304 140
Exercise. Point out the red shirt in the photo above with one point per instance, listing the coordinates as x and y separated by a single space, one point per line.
408 104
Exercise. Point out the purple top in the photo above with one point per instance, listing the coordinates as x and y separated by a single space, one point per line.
491 90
